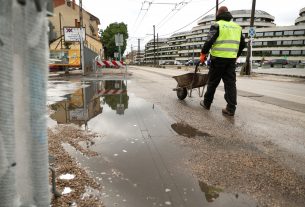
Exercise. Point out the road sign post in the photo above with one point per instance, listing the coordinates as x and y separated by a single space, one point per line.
119 42
251 35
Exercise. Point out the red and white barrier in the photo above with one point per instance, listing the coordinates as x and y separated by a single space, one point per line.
110 64
100 63
112 92
118 63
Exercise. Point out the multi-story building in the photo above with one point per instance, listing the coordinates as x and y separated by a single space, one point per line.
135 57
270 42
139 57
66 14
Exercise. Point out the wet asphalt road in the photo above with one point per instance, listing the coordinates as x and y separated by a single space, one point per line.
142 159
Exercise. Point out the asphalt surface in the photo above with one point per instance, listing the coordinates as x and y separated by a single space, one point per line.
164 152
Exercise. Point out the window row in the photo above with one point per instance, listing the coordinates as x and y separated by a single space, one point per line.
278 53
279 43
280 33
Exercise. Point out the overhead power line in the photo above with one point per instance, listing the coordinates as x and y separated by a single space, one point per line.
179 6
138 15
192 21
143 9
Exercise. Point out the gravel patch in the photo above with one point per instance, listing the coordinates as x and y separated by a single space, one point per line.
76 189
246 171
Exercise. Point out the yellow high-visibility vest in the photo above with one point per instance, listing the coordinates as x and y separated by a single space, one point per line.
227 43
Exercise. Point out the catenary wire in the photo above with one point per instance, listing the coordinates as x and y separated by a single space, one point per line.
192 21
176 10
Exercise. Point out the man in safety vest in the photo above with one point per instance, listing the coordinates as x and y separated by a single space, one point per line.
226 42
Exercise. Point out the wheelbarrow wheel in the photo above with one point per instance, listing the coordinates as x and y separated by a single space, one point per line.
182 93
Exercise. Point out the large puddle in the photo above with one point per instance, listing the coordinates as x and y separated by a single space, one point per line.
140 161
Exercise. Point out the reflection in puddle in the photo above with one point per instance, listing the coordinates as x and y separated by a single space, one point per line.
86 103
211 193
216 195
188 131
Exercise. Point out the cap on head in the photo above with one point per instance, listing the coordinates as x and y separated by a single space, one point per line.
222 9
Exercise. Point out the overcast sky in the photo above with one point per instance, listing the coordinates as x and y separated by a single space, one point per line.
168 20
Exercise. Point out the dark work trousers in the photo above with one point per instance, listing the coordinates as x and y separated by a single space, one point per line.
222 68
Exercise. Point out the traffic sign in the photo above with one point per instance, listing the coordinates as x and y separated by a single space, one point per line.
251 32
119 39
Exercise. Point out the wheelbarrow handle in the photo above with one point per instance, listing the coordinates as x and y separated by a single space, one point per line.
196 67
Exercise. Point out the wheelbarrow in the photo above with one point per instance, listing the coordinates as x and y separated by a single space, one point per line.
187 82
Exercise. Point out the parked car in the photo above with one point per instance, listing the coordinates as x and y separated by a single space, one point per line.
178 62
274 62
293 63
190 62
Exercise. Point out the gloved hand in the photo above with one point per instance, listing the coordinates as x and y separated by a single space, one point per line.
202 57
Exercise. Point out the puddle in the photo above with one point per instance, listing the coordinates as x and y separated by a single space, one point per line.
216 196
91 193
87 101
188 131
138 162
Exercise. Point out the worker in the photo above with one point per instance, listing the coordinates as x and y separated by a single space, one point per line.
226 42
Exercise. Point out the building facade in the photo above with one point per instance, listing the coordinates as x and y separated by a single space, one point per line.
270 42
67 54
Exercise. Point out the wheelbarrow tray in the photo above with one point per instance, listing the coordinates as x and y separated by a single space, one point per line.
191 80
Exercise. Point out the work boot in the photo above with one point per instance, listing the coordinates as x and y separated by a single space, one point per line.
204 105
227 112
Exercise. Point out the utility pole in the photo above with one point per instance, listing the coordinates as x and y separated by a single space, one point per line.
154 47
82 61
131 53
248 64
193 53
138 56
60 30
158 47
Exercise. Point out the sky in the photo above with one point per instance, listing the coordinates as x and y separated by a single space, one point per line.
170 16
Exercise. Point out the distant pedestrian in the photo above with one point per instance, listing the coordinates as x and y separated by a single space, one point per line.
226 42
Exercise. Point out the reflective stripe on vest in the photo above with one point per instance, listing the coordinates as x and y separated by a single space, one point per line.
227 43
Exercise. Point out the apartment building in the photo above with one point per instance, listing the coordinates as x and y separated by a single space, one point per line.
270 42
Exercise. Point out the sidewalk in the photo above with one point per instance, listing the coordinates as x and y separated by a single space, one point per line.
172 71
291 72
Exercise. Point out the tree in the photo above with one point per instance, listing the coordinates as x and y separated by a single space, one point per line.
108 35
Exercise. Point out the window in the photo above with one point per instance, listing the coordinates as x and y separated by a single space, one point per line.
279 42
268 34
287 33
287 42
303 52
285 52
257 53
295 52
266 53
278 33
259 34
69 3
297 42
257 43
275 52
299 32
272 43
239 19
